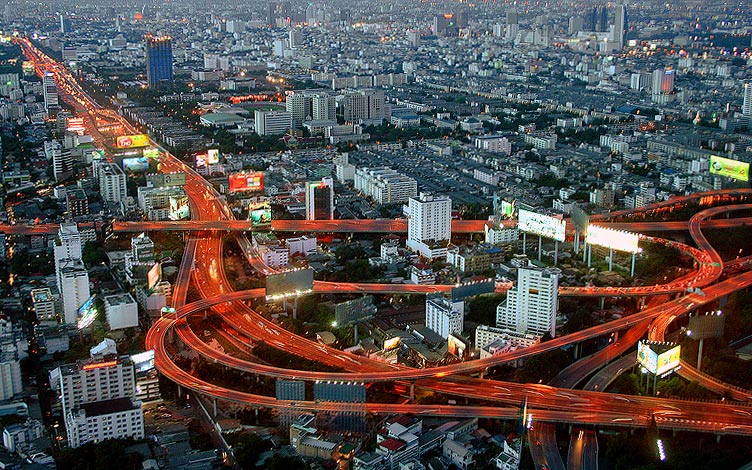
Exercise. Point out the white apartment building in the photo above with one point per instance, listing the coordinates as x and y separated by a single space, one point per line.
275 256
95 422
62 161
112 182
444 316
542 142
272 122
385 185
498 235
73 283
68 243
531 305
494 144
747 102
302 245
121 311
429 225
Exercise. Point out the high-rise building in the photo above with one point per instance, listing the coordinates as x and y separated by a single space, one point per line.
272 122
73 283
323 107
747 103
620 25
49 89
76 202
10 376
62 161
44 303
531 305
112 182
158 60
310 105
295 38
320 199
429 225
663 81
365 106
444 316
121 311
65 24
68 243
97 397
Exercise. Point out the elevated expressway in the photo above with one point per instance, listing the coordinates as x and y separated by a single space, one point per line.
551 404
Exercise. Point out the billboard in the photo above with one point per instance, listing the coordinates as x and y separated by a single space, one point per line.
151 152
658 358
132 141
152 277
159 180
260 214
614 239
392 343
246 181
201 159
76 125
136 164
87 313
669 360
580 218
354 311
729 168
179 209
542 225
709 325
470 289
456 346
212 156
507 209
289 284
143 362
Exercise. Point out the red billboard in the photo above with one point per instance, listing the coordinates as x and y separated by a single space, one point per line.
246 181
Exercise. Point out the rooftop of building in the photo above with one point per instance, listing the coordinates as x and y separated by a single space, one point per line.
106 407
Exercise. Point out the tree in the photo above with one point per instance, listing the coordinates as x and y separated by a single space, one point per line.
248 448
93 254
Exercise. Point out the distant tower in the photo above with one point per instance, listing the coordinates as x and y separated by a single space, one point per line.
747 104
620 25
320 200
65 24
158 60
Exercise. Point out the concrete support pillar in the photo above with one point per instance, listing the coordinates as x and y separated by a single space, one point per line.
355 334
610 259
214 405
412 390
603 302
631 272
180 391
699 354
556 252
524 243
540 247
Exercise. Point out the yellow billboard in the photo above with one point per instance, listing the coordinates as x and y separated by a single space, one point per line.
668 360
729 168
132 141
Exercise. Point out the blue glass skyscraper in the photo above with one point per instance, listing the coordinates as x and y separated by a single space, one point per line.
158 60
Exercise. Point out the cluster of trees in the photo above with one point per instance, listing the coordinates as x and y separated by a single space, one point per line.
107 454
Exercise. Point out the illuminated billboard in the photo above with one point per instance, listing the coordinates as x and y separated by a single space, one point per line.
392 343
456 346
144 361
132 141
179 209
658 358
507 209
246 181
152 277
151 152
542 225
729 168
260 214
212 156
614 239
289 284
136 164
76 125
87 313
201 159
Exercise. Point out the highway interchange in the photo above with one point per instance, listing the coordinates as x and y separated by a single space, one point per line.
203 266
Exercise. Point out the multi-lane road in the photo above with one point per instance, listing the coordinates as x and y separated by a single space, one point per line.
203 261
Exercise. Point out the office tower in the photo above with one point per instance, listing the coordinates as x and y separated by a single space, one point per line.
68 244
413 37
530 306
663 81
512 17
445 25
620 25
279 48
429 225
444 316
272 122
295 38
62 161
640 81
603 19
112 182
747 103
365 106
49 88
158 60
73 284
320 199
576 24
98 399
323 107
299 104
65 24
76 202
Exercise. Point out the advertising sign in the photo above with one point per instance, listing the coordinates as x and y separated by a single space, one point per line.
144 361
159 180
212 156
152 277
392 343
87 313
76 125
261 217
201 159
542 225
132 141
507 209
136 164
456 346
709 325
179 209
647 357
580 218
246 181
151 152
289 284
614 239
668 360
729 168
354 311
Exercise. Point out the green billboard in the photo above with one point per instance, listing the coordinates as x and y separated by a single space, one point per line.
729 168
